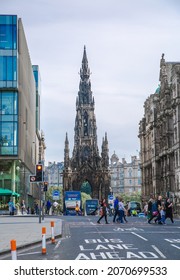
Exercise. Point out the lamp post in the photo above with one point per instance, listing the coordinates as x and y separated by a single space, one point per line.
2 176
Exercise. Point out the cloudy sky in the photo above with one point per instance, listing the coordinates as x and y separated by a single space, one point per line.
124 42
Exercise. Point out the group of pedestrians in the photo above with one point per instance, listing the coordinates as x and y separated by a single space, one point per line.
119 211
159 210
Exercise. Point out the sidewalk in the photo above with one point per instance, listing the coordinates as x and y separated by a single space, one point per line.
26 230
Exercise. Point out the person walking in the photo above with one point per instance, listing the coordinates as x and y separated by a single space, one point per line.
48 206
162 215
169 210
152 210
121 210
116 202
104 212
125 212
22 207
159 204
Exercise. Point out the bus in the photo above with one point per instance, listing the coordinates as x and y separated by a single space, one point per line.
91 207
71 199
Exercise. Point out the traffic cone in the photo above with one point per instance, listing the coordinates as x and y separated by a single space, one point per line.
13 250
52 232
43 240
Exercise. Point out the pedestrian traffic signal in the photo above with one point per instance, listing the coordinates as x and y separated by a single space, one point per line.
39 173
45 186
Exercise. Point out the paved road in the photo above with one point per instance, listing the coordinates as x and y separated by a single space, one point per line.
84 239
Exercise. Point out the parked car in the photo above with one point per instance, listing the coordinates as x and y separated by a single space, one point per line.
134 208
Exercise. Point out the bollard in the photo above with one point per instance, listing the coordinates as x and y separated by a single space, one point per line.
13 250
43 240
52 232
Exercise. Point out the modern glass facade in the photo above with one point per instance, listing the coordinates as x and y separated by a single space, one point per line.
8 85
8 123
38 92
8 51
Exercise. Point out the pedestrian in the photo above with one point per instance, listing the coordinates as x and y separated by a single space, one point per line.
162 215
121 210
48 207
77 209
159 203
11 208
104 212
145 210
125 212
116 202
36 209
22 207
169 210
153 212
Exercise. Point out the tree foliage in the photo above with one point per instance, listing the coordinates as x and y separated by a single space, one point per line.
130 197
49 195
84 196
86 188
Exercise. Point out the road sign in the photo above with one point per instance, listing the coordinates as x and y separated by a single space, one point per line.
110 199
56 195
32 179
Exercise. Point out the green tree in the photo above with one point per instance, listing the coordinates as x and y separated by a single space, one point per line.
50 197
84 196
86 187
130 197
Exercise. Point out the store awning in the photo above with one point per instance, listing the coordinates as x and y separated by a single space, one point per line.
15 194
7 192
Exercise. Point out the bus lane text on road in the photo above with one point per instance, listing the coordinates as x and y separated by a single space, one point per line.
103 249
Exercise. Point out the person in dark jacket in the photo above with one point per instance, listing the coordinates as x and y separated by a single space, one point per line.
104 212
116 202
169 210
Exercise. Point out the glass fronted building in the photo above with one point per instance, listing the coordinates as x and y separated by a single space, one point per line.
8 86
19 110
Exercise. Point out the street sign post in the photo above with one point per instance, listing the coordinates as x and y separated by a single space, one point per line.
110 199
56 195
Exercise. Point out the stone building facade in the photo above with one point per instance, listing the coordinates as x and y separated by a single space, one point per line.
86 164
159 133
53 173
125 176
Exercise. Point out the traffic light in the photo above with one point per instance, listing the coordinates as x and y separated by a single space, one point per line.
45 186
39 173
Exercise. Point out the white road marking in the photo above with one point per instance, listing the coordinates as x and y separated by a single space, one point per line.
139 236
57 245
32 253
175 246
158 251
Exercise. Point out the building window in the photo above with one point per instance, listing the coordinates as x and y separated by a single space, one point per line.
8 32
130 172
8 68
8 123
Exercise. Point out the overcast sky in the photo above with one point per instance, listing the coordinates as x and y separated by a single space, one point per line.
124 42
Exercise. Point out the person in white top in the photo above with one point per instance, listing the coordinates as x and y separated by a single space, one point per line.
121 210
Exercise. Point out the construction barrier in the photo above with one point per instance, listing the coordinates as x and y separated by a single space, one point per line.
43 240
13 250
52 232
